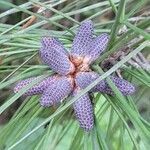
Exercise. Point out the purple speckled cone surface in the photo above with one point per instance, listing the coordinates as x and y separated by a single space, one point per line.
84 112
83 79
53 54
56 92
98 46
83 38
36 89
125 87
53 43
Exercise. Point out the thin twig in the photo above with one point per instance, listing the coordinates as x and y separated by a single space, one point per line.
33 18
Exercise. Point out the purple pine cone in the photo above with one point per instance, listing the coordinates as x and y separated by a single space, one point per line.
53 54
82 39
84 112
36 89
85 78
57 91
98 46
125 87
53 42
